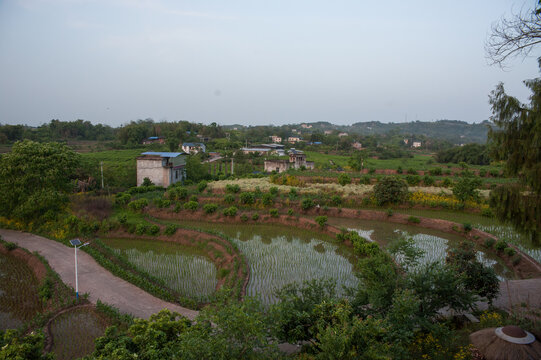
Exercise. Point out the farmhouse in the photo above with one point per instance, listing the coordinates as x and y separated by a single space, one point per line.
193 148
357 145
293 139
416 144
297 159
258 150
154 140
276 139
162 168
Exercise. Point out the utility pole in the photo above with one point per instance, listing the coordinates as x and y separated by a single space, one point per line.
101 165
232 170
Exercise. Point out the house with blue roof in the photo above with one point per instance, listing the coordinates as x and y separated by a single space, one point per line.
162 168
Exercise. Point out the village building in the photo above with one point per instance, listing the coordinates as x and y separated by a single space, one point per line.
256 150
154 140
193 148
306 126
416 144
297 160
276 139
271 146
357 145
327 132
406 141
293 139
342 134
162 168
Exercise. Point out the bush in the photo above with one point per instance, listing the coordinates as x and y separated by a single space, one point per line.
147 182
467 227
122 198
194 198
247 198
153 230
399 170
321 220
290 212
336 200
344 179
482 173
509 251
428 180
202 186
229 198
489 243
487 213
10 246
267 199
273 191
177 193
140 229
437 171
412 171
230 211
170 230
178 207
413 180
191 205
235 188
390 190
307 204
366 180
372 171
501 245
293 194
210 208
138 205
414 220
390 212
273 213
446 182
244 217
255 217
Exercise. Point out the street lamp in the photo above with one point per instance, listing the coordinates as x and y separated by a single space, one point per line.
75 243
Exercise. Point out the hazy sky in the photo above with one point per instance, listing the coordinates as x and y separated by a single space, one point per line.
251 62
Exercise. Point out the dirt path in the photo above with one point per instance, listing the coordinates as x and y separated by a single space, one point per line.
93 279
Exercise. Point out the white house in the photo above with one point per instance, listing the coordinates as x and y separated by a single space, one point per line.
276 139
193 148
416 144
162 168
293 139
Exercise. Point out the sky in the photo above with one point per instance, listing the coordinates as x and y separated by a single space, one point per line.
252 62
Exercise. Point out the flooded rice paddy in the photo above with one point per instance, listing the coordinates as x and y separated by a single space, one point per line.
19 300
178 266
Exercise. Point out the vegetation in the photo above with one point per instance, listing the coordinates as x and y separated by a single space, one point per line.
390 190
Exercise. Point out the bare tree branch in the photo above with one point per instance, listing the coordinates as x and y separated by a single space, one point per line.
514 37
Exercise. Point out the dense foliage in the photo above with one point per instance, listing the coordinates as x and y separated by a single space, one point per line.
390 190
34 180
474 154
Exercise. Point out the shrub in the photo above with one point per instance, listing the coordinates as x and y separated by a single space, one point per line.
293 194
138 205
210 208
501 245
153 230
399 170
446 182
467 227
290 212
336 200
10 246
494 173
122 218
390 190
428 180
306 204
390 212
344 179
509 251
193 198
273 190
487 213
267 199
147 182
372 171
202 186
412 171
140 229
235 188
255 216
191 205
244 217
366 180
482 173
321 220
257 192
414 220
437 171
229 198
273 213
247 198
122 198
177 193
230 211
413 180
178 207
170 230
489 243
466 188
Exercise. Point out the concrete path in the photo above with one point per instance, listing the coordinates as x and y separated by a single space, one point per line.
98 282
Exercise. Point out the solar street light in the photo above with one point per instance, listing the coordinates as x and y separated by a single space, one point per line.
77 244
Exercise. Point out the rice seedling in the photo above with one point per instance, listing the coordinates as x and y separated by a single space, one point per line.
190 274
278 260
19 299
74 333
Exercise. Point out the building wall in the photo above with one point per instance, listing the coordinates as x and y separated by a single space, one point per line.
152 169
276 165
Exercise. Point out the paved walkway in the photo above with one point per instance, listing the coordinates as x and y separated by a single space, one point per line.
98 282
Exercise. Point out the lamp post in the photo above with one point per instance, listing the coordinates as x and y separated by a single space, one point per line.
76 242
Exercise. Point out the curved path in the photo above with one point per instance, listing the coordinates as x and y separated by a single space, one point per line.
98 282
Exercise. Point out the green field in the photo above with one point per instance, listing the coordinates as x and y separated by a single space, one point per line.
119 166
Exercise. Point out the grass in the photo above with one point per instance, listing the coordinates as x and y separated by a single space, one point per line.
119 166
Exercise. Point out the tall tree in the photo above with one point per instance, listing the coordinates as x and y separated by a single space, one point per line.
515 36
517 139
34 180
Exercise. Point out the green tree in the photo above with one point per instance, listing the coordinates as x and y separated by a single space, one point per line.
195 169
13 346
391 190
517 140
35 179
466 188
